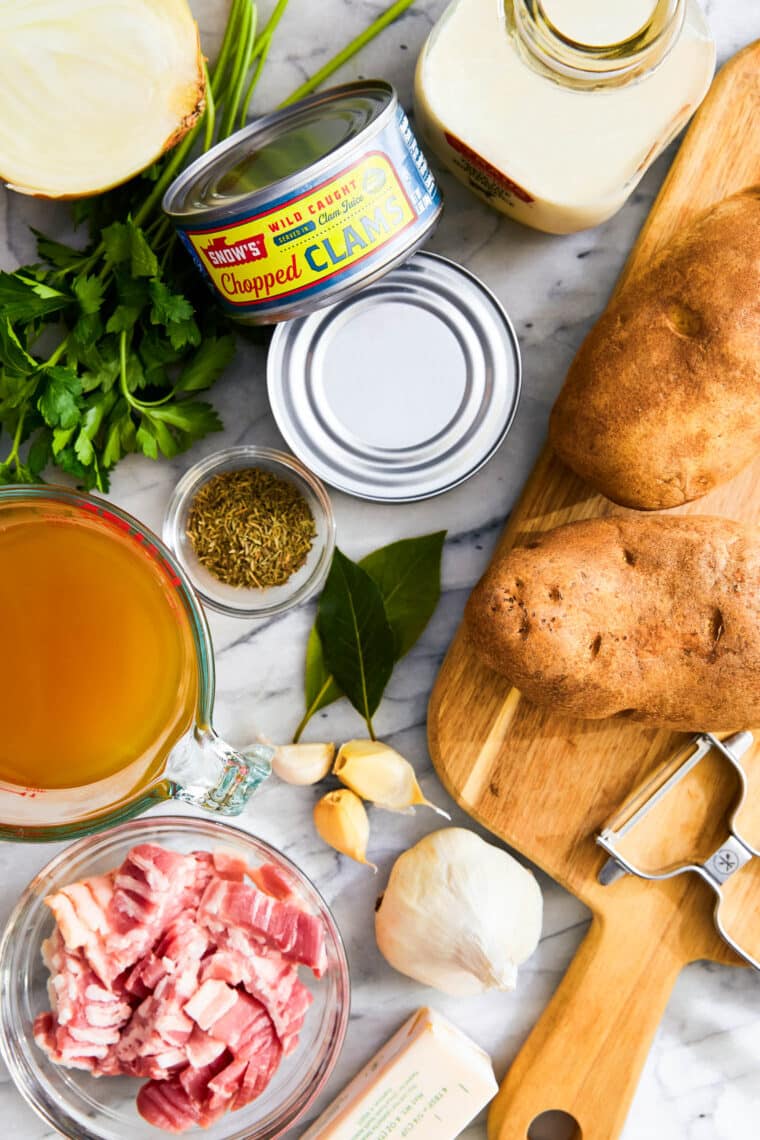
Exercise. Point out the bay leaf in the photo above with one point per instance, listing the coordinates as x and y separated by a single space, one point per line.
408 574
320 688
357 640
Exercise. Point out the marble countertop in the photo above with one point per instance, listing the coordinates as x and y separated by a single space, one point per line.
702 1077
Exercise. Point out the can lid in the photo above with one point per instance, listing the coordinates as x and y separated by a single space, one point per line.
277 151
400 391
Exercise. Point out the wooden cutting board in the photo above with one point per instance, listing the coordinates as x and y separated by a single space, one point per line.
546 783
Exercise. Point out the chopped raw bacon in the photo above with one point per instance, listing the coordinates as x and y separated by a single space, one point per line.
272 881
230 864
210 1002
278 925
175 968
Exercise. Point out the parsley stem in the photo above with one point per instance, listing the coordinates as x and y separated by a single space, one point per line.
57 353
138 405
349 51
179 154
123 368
13 457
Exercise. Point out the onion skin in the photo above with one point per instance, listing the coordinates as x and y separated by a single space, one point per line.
187 103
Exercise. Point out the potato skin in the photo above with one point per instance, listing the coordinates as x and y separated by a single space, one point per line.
662 402
655 618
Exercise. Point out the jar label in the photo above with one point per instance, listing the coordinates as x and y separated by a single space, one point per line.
483 174
305 240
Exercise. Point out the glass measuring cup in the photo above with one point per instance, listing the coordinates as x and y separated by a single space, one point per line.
197 767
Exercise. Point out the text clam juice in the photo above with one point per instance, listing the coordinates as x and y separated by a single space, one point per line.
552 110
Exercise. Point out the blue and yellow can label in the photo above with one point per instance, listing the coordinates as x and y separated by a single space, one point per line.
361 215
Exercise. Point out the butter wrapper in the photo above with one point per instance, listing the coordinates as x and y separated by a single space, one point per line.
426 1083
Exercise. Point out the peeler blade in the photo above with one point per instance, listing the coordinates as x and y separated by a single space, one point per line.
644 798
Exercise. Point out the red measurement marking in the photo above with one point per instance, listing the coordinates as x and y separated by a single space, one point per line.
122 524
30 793
149 547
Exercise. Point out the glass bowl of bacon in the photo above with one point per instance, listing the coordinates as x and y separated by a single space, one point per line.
171 974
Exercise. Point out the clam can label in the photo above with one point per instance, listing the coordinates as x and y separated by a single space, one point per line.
332 231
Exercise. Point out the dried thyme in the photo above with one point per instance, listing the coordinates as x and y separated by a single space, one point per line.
250 528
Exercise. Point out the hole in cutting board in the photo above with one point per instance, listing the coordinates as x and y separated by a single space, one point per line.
555 1125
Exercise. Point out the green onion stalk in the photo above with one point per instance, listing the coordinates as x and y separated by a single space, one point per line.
242 57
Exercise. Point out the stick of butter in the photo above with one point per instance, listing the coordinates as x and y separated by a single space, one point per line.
427 1083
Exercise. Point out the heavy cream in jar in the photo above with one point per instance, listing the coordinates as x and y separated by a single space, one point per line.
551 110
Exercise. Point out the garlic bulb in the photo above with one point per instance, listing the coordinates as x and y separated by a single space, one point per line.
341 820
93 92
459 914
303 763
381 775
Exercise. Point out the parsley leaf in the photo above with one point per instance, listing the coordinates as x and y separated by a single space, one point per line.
89 292
55 252
192 419
143 260
115 240
22 298
59 402
184 333
207 364
12 352
168 307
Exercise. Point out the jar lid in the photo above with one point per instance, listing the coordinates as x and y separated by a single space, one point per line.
401 391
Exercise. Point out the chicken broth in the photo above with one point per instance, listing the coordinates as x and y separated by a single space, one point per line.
98 666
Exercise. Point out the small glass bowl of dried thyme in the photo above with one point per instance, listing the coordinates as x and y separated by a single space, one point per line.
253 529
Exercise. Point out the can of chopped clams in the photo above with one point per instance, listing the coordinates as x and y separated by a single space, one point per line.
307 205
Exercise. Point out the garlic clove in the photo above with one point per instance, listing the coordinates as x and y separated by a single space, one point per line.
381 775
303 763
341 820
459 914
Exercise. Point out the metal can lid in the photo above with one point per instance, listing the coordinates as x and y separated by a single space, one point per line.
401 391
278 151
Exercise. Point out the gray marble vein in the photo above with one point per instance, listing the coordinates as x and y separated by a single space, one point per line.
702 1079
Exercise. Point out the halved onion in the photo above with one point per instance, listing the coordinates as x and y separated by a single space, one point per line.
93 91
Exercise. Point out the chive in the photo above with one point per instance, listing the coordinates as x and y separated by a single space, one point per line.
230 33
240 68
261 51
210 114
349 51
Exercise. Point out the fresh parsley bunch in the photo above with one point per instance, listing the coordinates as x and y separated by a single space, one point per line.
103 349
130 349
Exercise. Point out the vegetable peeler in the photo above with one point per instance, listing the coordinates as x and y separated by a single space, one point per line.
717 867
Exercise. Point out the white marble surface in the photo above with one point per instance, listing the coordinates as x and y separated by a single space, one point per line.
702 1078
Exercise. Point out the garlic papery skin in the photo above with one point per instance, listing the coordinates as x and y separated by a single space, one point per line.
303 763
459 914
341 820
380 775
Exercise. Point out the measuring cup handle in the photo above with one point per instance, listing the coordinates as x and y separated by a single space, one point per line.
205 771
586 1052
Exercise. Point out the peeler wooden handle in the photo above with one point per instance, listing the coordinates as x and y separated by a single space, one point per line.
586 1053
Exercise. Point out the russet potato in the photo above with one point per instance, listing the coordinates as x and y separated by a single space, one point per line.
655 618
662 402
